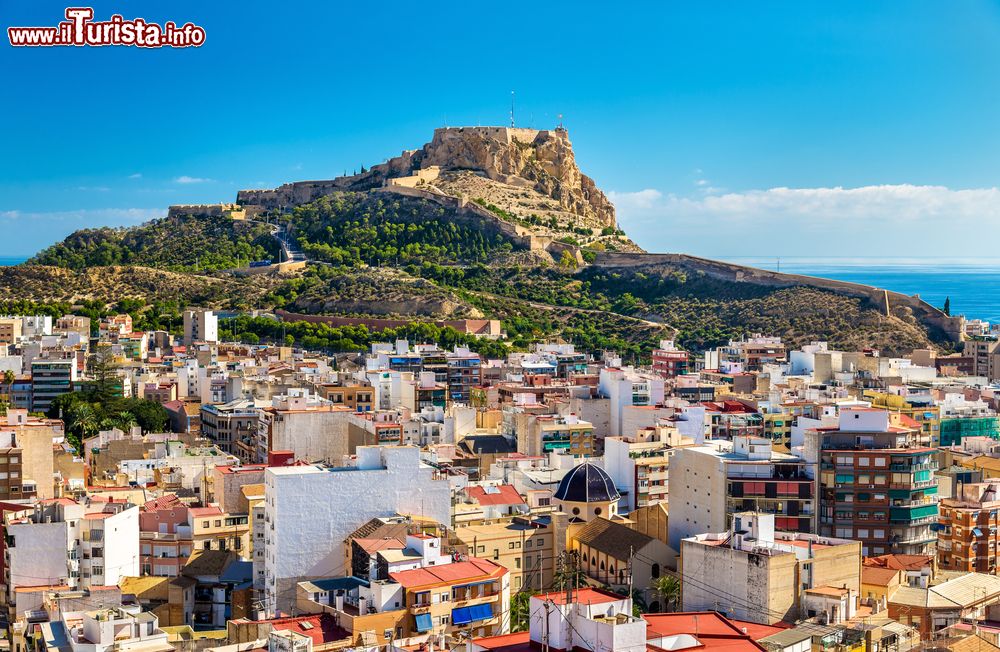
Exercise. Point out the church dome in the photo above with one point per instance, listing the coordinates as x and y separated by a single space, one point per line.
587 483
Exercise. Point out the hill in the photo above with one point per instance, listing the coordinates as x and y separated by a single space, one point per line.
178 242
488 222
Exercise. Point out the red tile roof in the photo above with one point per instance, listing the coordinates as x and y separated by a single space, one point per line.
206 511
505 642
505 495
713 630
321 628
168 501
900 562
371 545
583 596
756 631
454 573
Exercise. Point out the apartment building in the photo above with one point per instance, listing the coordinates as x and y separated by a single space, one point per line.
67 543
165 541
545 433
200 326
967 538
985 354
877 482
230 424
471 597
50 379
639 464
464 373
624 387
213 529
357 397
10 330
709 483
752 572
310 510
961 418
312 428
523 545
920 407
670 361
751 353
27 453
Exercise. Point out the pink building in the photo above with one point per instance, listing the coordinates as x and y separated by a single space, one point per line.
165 540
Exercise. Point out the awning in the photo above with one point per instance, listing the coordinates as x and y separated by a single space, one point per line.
424 622
465 615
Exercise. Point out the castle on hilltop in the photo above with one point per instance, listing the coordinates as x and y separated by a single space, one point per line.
541 160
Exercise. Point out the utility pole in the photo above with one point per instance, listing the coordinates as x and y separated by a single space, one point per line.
631 552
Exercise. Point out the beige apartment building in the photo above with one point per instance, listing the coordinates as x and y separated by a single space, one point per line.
521 545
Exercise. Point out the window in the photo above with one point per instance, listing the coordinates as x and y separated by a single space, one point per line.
205 524
218 523
517 562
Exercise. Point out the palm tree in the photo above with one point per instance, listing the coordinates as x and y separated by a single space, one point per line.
8 380
123 421
520 611
668 588
82 420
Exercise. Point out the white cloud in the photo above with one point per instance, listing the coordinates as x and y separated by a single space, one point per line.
642 200
885 219
92 216
93 188
186 179
137 175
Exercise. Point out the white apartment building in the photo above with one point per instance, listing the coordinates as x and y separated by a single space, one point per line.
200 326
624 387
68 543
709 483
310 511
311 427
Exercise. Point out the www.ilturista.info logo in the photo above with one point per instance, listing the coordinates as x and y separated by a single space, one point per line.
80 29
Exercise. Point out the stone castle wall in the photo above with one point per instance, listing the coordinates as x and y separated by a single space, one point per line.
542 160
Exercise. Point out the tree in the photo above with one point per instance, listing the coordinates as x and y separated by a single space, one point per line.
8 380
81 422
570 574
947 306
668 588
123 421
520 611
567 260
104 370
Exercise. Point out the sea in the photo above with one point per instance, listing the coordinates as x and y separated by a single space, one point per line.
972 284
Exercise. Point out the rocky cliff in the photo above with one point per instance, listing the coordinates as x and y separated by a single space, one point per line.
541 161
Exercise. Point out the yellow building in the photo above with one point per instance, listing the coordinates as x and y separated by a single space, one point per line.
778 428
521 546
927 416
213 529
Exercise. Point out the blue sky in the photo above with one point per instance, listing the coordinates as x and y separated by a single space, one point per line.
722 129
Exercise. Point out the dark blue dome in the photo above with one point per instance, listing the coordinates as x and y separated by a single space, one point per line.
587 483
